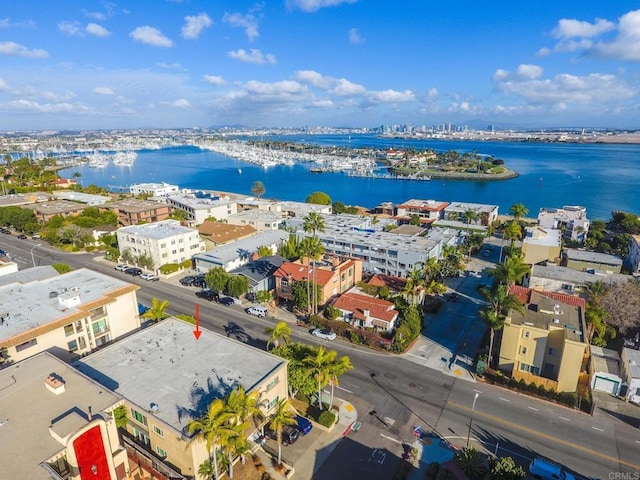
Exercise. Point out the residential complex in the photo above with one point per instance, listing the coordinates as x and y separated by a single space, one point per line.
86 198
154 189
570 219
167 378
258 219
428 211
70 314
57 423
471 214
132 211
219 233
365 311
163 242
541 245
585 261
200 206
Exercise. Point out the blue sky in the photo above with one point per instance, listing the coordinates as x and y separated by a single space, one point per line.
69 64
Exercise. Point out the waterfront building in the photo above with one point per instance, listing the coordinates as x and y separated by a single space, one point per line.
571 219
427 210
584 261
546 345
220 233
163 242
57 423
233 255
386 208
154 189
302 209
86 198
201 206
64 208
633 257
541 245
167 378
132 211
70 314
261 220
457 212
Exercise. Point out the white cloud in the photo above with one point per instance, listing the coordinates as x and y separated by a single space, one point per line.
7 23
150 36
285 87
249 22
326 103
524 72
71 29
432 93
345 88
316 79
172 66
36 107
571 28
391 96
252 56
3 85
181 103
103 91
355 37
314 5
16 50
194 25
335 86
214 79
626 46
97 30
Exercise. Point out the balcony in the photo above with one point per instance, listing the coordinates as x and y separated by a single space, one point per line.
140 454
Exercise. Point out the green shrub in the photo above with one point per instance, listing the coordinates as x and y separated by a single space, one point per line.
169 268
326 419
355 338
186 264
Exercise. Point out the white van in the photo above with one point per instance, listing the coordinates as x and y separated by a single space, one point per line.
548 470
257 310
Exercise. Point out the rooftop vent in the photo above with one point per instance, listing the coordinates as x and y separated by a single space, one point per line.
54 383
556 321
53 294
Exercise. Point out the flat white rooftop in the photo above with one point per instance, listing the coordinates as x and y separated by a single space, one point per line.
164 365
157 230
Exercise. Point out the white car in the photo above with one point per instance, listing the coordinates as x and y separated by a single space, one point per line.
326 334
122 267
475 274
149 277
258 311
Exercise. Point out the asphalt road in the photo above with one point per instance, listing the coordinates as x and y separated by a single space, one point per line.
392 394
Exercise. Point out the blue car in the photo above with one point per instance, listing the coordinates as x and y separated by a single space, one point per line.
304 425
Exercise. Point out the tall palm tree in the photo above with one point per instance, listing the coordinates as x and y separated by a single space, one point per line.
518 210
512 232
319 367
414 286
511 271
339 367
470 215
280 418
306 250
280 332
157 311
235 444
207 469
242 406
500 304
212 428
314 223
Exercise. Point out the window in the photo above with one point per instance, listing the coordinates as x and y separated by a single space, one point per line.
141 436
272 403
523 350
139 417
552 351
350 272
25 345
529 368
79 326
73 345
99 327
526 334
272 383
82 342
157 431
68 330
160 451
567 286
284 283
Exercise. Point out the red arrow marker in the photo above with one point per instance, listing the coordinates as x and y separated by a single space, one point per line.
197 332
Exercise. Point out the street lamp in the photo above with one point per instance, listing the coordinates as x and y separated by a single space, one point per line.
33 260
473 407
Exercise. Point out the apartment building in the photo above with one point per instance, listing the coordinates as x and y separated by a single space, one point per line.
164 242
131 211
583 261
199 206
427 210
47 210
154 189
365 311
261 220
572 219
541 245
547 344
58 424
219 233
167 378
458 211
633 257
70 314
86 198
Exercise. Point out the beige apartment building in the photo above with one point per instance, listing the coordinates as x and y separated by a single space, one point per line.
547 344
541 245
167 378
69 315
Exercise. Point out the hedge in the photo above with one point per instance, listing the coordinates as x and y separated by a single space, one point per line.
326 419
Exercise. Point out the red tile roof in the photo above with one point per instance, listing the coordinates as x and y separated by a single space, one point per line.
395 284
300 272
524 295
378 309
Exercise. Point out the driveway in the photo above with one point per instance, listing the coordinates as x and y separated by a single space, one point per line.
607 406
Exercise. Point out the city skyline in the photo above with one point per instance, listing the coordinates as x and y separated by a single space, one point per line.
292 63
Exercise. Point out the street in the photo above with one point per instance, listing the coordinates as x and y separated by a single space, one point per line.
394 393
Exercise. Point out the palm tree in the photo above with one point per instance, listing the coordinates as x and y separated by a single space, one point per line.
313 249
339 367
470 215
235 444
518 210
512 232
280 332
500 304
242 405
207 469
319 367
157 311
314 223
213 429
511 271
280 418
258 189
414 286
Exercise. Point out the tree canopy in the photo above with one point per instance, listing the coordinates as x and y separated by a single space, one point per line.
319 198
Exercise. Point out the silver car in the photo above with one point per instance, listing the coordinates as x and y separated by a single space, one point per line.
325 334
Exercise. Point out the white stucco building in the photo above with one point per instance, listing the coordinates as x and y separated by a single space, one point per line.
164 242
155 189
200 205
572 219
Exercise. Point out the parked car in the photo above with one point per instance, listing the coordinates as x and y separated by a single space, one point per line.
289 435
304 424
227 301
325 334
186 281
210 295
133 271
150 277
257 310
544 469
142 309
22 236
6 231
35 236
122 267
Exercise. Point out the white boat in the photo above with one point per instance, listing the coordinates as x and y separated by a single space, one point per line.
239 170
